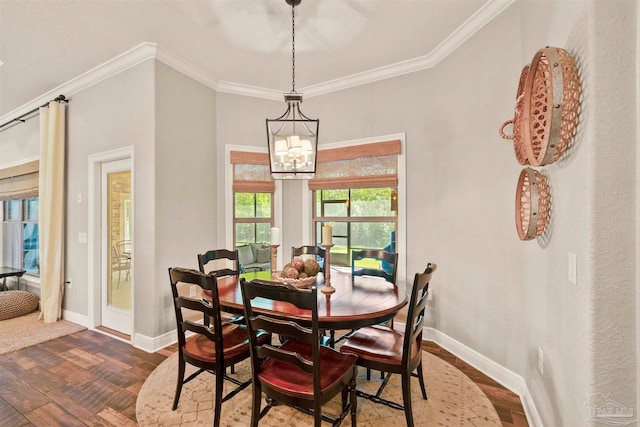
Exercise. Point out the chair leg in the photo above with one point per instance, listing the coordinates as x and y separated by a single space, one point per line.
353 398
217 409
255 405
181 364
406 398
421 379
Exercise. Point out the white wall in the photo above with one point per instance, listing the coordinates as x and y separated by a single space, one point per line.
170 121
494 293
613 189
240 120
186 189
114 113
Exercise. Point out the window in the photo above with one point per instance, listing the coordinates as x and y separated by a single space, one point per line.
360 217
355 191
21 237
253 190
252 218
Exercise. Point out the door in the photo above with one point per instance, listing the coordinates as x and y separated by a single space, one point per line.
116 245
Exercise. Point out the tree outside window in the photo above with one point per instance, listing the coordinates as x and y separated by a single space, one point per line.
253 217
361 218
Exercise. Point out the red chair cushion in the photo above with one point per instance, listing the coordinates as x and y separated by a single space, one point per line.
378 344
292 380
235 341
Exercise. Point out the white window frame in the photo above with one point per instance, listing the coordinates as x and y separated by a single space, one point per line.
276 199
401 236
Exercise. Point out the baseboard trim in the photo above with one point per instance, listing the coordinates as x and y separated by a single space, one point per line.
499 373
80 319
153 344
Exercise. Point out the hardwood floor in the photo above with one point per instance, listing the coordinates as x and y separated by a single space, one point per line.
90 379
507 404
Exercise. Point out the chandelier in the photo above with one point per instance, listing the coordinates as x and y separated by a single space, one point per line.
293 137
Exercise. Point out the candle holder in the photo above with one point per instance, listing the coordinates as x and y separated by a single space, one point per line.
274 258
327 289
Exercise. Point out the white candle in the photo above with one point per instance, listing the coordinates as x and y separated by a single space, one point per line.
275 236
327 235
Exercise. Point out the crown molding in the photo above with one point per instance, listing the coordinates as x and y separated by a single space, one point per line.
482 17
246 90
176 62
128 59
148 50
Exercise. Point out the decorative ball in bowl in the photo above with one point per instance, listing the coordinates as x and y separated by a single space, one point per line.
300 273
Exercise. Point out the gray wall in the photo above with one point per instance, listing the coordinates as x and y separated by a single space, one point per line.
502 297
115 113
186 189
493 293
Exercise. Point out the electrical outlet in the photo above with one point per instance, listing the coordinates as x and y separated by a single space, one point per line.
192 291
69 283
540 361
430 295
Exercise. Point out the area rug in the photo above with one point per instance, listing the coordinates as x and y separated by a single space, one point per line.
25 331
453 400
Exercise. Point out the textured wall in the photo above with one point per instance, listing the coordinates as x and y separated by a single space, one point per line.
115 113
613 183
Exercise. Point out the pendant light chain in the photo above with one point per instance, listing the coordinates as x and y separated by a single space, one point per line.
293 48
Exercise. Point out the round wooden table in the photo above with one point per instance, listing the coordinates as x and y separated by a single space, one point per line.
362 302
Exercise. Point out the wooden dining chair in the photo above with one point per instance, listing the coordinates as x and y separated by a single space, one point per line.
387 264
394 352
210 347
300 372
317 251
223 261
387 267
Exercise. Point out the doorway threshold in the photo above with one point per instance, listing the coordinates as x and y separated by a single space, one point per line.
114 333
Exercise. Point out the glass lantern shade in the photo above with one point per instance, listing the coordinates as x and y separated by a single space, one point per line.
293 142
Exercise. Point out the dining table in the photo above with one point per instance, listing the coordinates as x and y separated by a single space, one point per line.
357 301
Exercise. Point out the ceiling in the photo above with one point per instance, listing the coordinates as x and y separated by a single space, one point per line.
235 44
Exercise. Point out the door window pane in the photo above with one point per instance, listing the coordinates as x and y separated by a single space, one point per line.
371 202
245 233
245 206
31 209
263 205
360 217
30 248
12 210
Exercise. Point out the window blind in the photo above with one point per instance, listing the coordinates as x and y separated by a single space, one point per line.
19 182
370 165
251 172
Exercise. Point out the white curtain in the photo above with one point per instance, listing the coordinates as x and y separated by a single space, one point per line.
52 202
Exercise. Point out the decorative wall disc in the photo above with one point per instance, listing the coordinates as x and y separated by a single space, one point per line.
533 204
518 143
550 109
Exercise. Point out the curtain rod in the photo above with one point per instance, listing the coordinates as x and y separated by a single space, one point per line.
23 117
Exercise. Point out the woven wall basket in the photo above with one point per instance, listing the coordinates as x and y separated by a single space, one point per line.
533 204
550 108
518 142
